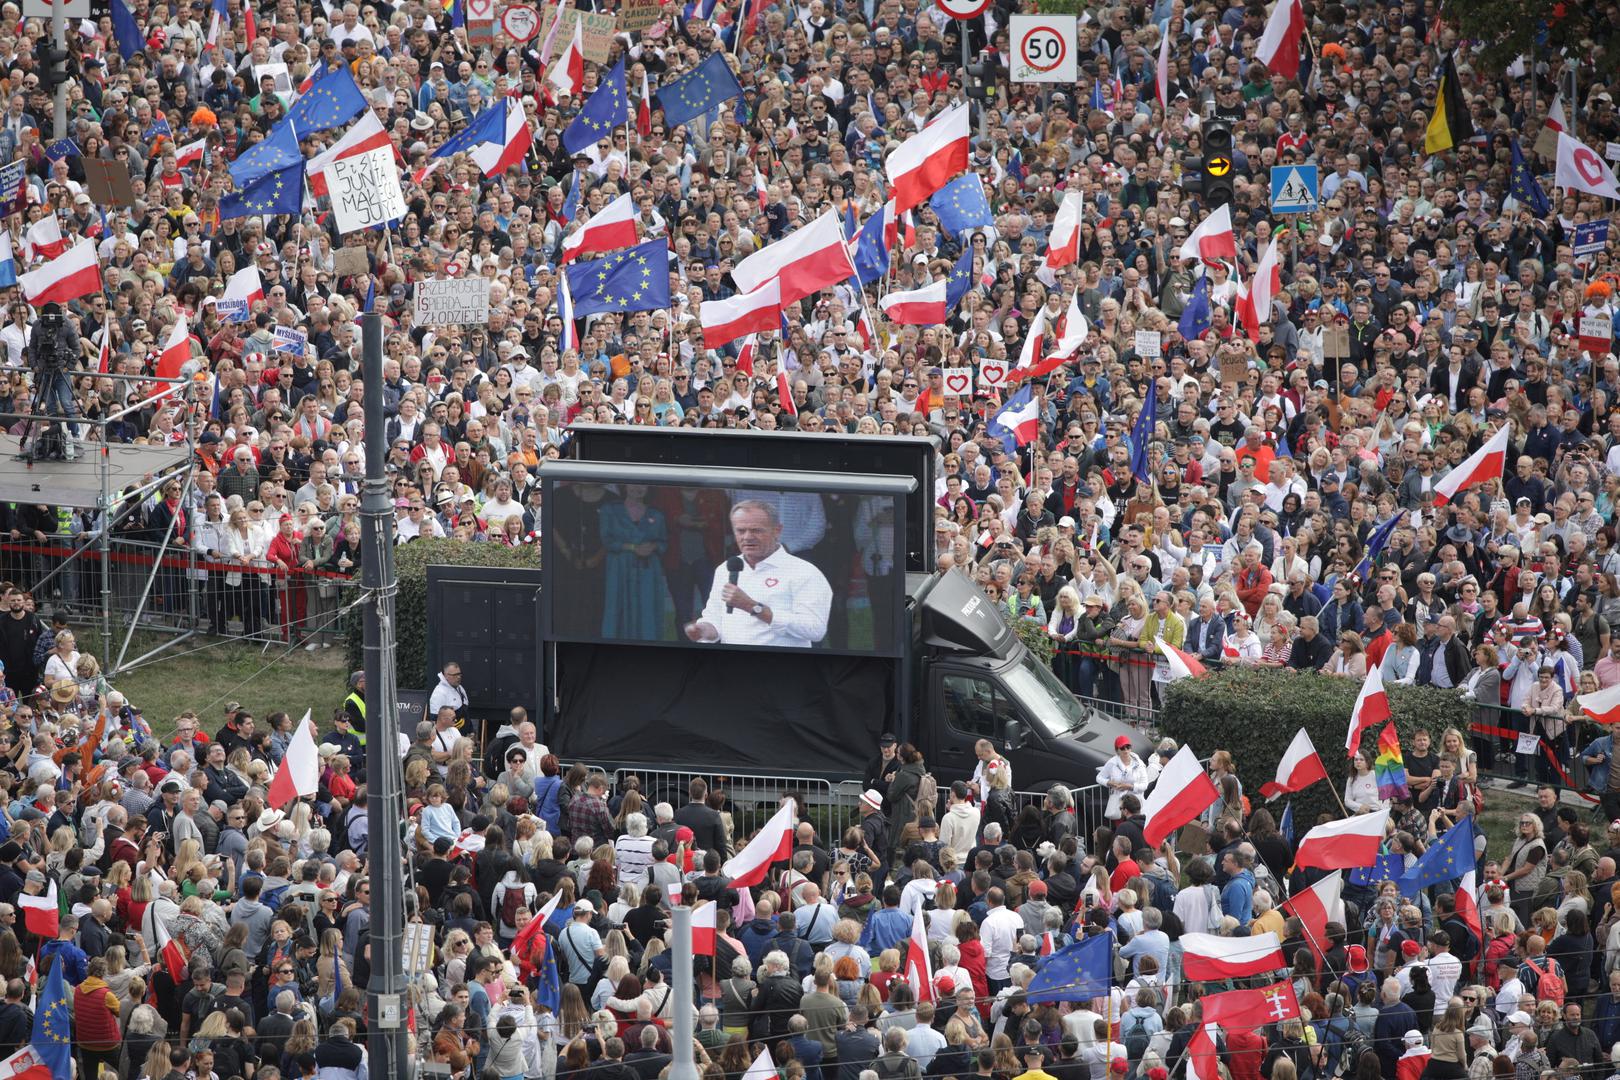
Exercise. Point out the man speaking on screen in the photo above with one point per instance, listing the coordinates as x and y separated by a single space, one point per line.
763 595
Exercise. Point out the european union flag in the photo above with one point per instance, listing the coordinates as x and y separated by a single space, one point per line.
960 205
1386 867
999 429
52 1038
603 111
277 192
331 102
548 987
635 279
699 90
852 224
960 281
1286 825
1077 972
277 150
126 30
160 129
62 149
1195 316
1147 422
1445 861
1522 185
488 126
871 255
571 204
1015 165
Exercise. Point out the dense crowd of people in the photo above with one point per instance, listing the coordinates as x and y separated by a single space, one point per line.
1277 508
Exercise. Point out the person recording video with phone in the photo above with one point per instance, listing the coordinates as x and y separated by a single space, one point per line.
763 595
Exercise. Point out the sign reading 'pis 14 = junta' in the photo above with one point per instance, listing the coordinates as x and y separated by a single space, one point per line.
452 302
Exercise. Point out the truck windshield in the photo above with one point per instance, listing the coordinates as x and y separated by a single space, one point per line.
1044 697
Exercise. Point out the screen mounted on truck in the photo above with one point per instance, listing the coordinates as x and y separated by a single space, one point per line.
714 567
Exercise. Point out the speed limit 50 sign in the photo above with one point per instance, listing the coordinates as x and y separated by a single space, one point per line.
1043 48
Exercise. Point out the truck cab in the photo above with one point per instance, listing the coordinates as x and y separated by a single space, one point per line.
978 680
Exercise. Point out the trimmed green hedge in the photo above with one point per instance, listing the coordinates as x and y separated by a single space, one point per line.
1253 714
410 601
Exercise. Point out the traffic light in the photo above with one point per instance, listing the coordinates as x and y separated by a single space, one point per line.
981 77
55 71
1218 163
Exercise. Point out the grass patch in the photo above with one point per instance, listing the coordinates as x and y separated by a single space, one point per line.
264 681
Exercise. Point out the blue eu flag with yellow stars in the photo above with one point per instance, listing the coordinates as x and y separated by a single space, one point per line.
488 126
277 150
960 205
331 102
699 90
278 192
1077 972
1523 186
871 254
635 279
960 281
1445 861
52 1039
603 111
1387 867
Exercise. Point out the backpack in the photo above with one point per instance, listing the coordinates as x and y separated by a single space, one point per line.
1135 1039
514 897
1549 984
1356 1044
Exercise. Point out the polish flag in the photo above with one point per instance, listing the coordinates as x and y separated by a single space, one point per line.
763 1067
569 339
1211 958
40 913
704 929
1163 75
1555 114
191 153
610 228
1074 330
1029 357
929 159
784 398
567 75
917 307
366 133
1215 34
300 771
1481 467
1212 240
644 108
1048 943
250 25
1372 709
1602 705
1203 1059
1183 792
918 967
176 351
44 239
1300 767
1183 665
173 953
809 258
1279 43
1064 247
1468 904
1021 417
495 158
771 844
1344 844
104 361
1317 906
25 1064
246 285
76 273
737 316
745 357
760 191
1266 285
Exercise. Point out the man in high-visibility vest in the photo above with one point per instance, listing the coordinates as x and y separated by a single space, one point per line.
355 705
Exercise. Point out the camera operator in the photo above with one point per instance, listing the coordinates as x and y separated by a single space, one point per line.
53 347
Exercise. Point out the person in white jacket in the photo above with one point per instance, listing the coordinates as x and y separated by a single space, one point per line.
1122 773
1361 787
959 829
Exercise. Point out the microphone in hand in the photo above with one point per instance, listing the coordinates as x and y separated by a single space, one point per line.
734 567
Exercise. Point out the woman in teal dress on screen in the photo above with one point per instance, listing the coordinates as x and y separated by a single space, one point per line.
636 597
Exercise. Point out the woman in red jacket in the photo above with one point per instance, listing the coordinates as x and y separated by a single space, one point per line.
973 961
95 1020
283 555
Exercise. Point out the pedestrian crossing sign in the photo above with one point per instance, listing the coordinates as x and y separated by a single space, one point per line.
1293 189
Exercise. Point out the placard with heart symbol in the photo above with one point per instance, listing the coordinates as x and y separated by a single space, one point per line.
993 373
959 381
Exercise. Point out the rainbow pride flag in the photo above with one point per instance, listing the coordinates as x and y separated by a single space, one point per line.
1390 766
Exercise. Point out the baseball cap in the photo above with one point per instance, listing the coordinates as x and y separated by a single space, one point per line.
1122 740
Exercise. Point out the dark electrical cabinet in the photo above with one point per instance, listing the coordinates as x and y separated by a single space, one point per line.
487 619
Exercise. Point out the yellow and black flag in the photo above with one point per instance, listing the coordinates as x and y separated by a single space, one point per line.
1450 124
